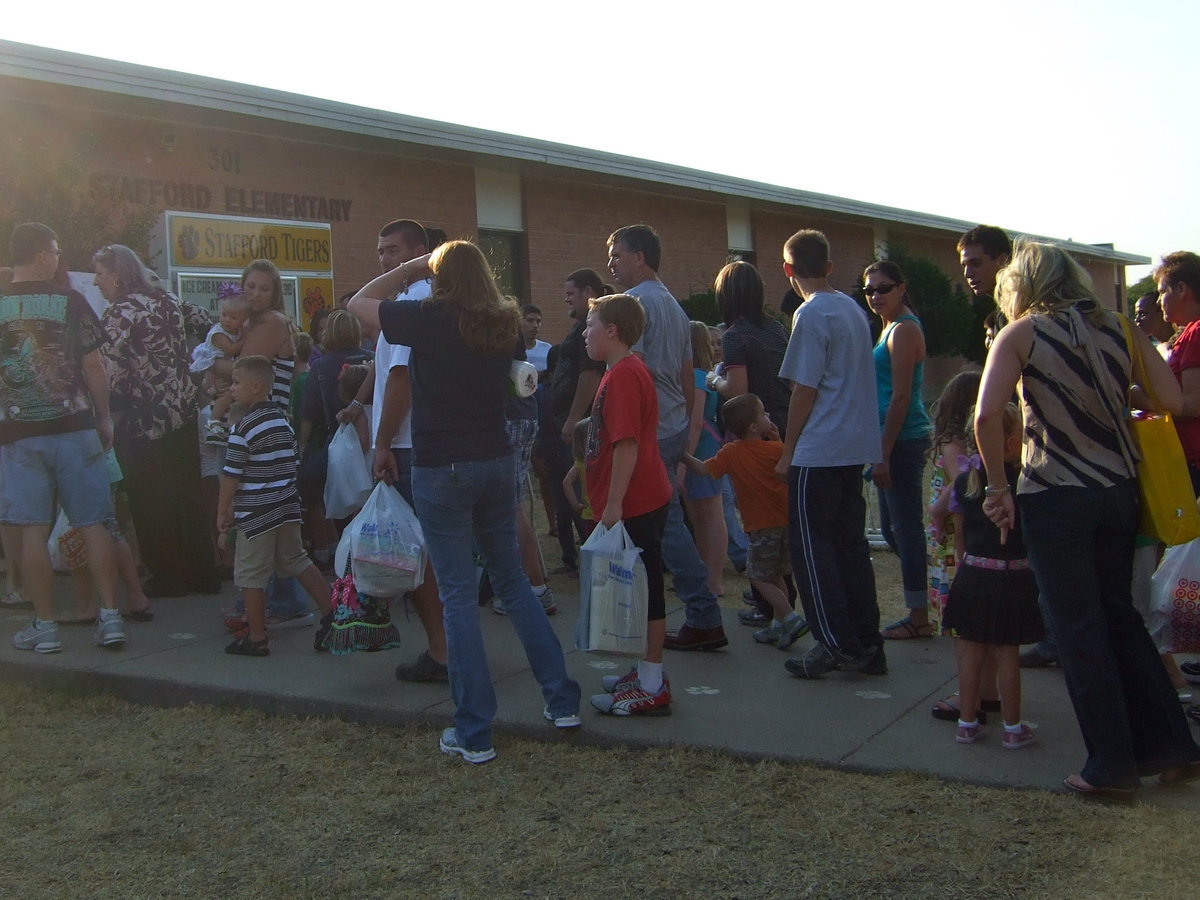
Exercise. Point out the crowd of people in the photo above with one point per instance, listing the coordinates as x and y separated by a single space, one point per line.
749 442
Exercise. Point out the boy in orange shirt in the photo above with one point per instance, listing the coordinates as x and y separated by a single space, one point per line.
762 500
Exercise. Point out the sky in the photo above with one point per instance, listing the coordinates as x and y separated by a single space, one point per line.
1070 119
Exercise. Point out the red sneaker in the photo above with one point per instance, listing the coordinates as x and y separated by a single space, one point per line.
633 701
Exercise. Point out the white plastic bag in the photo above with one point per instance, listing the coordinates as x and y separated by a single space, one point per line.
1176 596
614 594
522 378
347 479
387 547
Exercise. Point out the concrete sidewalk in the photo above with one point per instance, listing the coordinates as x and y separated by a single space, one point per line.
739 700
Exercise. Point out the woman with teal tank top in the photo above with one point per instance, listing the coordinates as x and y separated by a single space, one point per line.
907 431
701 493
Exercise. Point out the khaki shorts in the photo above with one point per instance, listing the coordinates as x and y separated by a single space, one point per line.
767 557
275 552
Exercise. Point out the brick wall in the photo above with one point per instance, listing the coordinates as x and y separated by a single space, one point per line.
119 142
851 247
568 221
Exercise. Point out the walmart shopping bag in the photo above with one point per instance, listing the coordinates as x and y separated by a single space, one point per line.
614 596
387 546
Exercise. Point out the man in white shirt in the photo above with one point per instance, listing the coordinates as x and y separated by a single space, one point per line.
391 436
537 353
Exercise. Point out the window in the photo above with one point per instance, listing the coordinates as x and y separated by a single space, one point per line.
505 251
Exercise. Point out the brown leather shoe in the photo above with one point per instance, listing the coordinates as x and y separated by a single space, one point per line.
689 638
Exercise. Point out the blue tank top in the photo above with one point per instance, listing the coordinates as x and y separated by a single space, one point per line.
917 423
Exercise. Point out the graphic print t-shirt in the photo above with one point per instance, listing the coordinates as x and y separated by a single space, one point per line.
44 332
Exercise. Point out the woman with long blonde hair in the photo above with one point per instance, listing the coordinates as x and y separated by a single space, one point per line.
464 339
1078 502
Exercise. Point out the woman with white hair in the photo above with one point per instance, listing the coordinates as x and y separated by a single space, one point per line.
154 404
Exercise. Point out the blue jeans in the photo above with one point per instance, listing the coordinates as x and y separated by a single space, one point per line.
902 518
688 571
738 542
469 503
1080 543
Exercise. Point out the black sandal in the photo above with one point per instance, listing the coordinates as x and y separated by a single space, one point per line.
243 646
946 711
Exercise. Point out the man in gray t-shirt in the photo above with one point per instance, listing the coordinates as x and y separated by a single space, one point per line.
634 253
832 431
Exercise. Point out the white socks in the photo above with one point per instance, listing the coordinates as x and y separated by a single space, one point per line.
650 675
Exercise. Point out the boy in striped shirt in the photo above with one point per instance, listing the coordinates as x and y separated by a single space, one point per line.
258 493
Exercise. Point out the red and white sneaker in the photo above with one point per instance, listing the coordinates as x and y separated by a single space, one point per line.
616 683
633 701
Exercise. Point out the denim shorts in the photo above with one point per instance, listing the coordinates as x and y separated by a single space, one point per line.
700 487
68 468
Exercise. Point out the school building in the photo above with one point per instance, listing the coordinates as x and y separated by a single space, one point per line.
216 156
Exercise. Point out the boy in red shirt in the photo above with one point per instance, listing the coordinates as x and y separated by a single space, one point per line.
762 500
626 482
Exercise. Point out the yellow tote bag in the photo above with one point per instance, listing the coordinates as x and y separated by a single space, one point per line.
1168 509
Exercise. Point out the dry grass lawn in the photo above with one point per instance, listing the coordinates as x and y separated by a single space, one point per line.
103 798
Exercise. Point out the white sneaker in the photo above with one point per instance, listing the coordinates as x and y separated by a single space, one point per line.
546 598
571 721
449 744
109 632
42 639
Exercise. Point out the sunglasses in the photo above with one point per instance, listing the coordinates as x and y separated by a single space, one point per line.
881 289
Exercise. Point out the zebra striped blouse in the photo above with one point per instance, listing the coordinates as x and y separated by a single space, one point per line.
1070 437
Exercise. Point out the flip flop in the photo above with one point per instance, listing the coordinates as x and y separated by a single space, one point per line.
1076 785
905 630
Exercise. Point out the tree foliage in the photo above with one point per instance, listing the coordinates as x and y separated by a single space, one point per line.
41 182
953 323
1145 285
702 307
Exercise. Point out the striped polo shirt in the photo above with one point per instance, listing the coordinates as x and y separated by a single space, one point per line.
261 455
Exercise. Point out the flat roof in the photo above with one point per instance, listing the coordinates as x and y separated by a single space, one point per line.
30 62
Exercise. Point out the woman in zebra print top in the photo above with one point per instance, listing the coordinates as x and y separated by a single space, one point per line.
1077 499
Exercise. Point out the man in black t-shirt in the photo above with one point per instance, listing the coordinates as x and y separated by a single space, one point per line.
572 388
